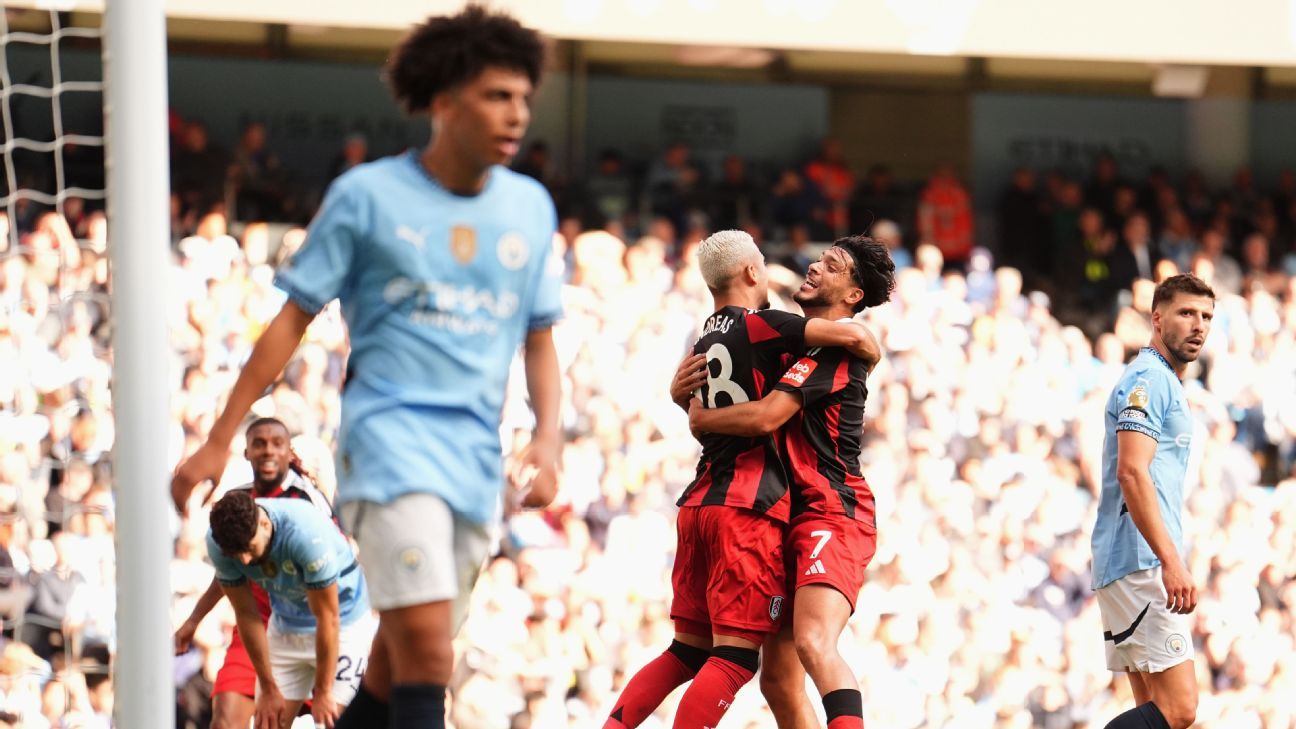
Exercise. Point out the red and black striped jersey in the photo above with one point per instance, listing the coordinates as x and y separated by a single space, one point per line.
746 351
821 443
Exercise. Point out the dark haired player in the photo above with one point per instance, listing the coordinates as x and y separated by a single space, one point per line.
728 580
441 260
1144 589
276 473
817 408
320 624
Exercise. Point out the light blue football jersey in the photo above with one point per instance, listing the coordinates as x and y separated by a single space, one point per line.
307 552
1148 399
438 290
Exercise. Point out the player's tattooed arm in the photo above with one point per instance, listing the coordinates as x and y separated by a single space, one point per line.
849 335
751 419
692 373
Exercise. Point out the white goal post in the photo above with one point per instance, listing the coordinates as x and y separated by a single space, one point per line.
138 176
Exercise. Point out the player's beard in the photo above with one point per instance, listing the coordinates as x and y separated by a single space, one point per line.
814 300
267 485
1179 348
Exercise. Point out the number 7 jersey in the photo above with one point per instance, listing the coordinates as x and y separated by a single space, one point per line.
746 351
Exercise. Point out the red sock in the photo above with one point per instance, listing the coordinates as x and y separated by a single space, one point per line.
845 709
715 686
653 683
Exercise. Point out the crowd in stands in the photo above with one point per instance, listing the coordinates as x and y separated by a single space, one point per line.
983 435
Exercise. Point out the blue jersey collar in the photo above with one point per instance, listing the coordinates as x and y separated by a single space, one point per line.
1153 351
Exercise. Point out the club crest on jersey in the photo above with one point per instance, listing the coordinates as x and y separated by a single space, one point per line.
776 607
463 243
798 373
269 569
1138 397
289 568
512 251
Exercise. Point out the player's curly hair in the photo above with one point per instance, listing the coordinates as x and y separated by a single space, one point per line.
448 50
234 521
874 269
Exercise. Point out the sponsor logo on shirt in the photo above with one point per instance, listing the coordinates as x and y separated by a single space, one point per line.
799 372
452 307
1183 440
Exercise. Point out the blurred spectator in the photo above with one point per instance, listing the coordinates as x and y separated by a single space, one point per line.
1135 256
259 180
1103 185
794 202
609 192
737 200
828 172
945 216
355 151
1227 273
888 234
1177 241
1023 228
198 169
534 162
878 198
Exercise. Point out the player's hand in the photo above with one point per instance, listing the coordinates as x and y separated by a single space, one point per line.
271 710
206 464
689 377
184 637
1181 595
323 709
534 474
695 408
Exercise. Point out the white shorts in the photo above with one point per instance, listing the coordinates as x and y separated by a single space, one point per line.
415 550
1140 633
292 660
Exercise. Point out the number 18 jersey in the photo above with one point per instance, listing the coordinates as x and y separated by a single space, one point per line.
746 351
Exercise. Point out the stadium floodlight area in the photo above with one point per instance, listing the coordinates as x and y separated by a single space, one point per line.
134 102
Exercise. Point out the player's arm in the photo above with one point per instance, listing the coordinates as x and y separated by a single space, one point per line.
323 604
1134 454
184 635
269 356
849 335
253 632
536 472
751 419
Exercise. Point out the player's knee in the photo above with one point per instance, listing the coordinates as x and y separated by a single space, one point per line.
814 644
779 693
1180 713
226 720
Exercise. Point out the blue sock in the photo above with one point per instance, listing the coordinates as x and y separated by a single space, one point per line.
417 706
